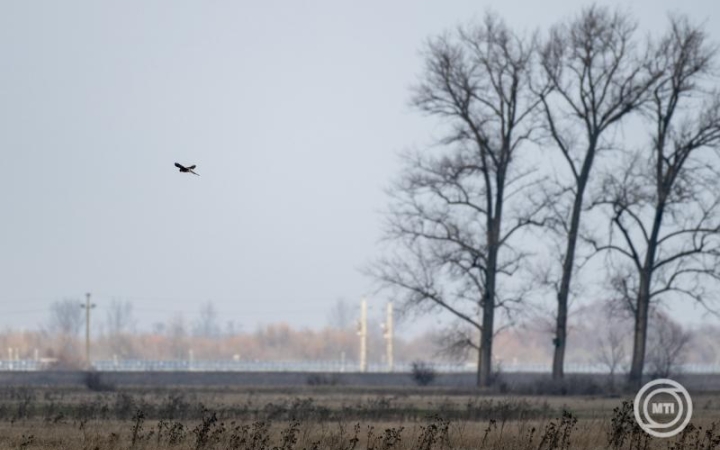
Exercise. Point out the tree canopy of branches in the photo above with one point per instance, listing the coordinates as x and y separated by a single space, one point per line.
597 77
66 317
456 209
663 206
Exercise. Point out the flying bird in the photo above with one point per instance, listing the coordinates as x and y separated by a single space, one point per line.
186 169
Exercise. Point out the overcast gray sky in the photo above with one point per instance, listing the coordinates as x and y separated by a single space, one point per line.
293 111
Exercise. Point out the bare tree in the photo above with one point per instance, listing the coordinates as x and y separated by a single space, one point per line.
231 328
207 322
63 326
120 318
120 322
663 206
612 351
342 315
705 340
667 343
597 77
66 317
454 214
177 336
457 342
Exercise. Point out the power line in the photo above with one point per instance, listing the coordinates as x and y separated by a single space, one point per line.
188 311
24 311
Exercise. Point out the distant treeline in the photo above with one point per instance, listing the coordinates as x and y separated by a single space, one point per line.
597 340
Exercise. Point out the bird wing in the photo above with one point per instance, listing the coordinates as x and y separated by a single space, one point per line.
192 167
179 166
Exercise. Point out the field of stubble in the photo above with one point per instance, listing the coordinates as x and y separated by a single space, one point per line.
330 417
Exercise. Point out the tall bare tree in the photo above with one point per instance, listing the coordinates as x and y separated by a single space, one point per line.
597 77
120 322
455 212
664 206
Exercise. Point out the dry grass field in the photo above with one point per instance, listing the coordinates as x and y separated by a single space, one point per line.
330 417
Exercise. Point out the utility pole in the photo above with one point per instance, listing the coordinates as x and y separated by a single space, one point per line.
362 332
87 307
388 335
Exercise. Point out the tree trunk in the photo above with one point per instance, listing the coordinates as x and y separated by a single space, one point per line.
479 380
642 307
486 338
640 338
488 308
558 368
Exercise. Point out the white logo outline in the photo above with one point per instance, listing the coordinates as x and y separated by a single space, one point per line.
649 425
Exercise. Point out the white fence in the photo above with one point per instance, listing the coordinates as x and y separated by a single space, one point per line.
314 366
